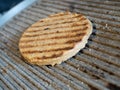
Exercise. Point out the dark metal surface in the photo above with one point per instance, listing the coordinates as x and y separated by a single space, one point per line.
7 15
97 66
6 5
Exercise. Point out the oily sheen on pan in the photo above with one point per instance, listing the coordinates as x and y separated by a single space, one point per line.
55 39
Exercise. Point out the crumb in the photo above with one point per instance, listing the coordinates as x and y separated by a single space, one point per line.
46 28
106 25
90 50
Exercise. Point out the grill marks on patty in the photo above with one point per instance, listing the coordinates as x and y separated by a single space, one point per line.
54 36
50 51
54 42
50 37
62 21
57 30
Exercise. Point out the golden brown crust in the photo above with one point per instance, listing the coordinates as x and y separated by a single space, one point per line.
55 39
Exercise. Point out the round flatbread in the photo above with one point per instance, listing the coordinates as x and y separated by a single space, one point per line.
55 39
